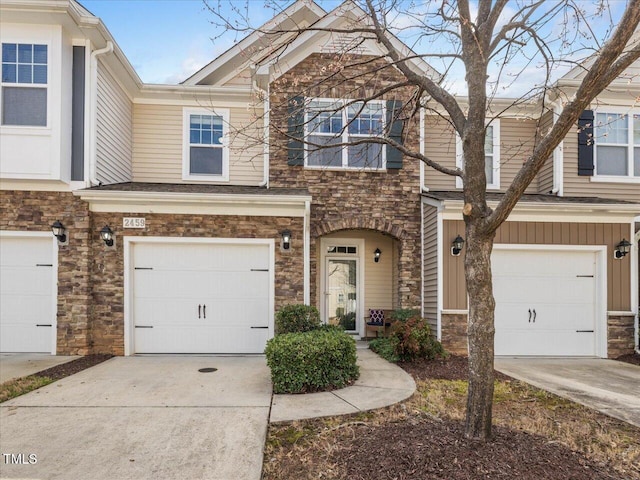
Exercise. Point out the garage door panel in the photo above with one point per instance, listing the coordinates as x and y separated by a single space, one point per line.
545 302
232 281
26 294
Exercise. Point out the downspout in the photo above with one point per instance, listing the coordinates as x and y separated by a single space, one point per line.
265 140
307 252
423 188
636 339
93 107
558 162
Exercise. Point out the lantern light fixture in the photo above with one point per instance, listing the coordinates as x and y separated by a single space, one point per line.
106 234
622 249
456 246
59 231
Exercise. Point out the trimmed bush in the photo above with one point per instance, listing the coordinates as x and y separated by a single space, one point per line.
314 361
413 339
297 319
404 314
385 347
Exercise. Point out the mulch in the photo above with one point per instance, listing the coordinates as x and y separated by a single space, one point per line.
429 449
632 358
452 368
74 366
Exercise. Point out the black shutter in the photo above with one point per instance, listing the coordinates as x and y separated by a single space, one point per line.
585 143
394 156
295 130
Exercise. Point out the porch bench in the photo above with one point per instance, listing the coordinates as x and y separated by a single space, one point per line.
378 319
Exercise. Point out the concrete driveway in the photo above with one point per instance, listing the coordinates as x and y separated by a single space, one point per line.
608 386
142 418
14 365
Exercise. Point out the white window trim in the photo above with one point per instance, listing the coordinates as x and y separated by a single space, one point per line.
345 136
26 128
495 185
186 144
629 178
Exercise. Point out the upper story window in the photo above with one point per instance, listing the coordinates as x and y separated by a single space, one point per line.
491 156
331 122
617 142
24 84
205 151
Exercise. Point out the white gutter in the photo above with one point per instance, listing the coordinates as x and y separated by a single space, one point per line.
93 107
307 252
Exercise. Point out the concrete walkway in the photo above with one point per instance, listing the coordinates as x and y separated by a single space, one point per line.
15 365
380 384
607 386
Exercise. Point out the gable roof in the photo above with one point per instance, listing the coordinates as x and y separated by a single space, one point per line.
301 29
299 14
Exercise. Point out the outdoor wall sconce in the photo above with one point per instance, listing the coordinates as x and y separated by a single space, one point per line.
106 234
622 249
59 231
376 255
286 240
456 246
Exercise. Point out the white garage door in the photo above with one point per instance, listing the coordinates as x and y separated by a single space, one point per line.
201 298
26 294
545 302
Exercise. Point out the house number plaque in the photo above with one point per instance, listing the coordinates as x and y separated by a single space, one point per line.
133 222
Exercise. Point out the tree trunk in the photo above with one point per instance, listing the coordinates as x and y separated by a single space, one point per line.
480 331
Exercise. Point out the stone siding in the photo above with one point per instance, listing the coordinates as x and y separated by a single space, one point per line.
454 334
386 201
36 211
620 335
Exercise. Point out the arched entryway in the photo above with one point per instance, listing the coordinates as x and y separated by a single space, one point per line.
357 271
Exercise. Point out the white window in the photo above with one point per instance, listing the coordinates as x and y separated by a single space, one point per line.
617 145
205 155
331 122
491 155
24 84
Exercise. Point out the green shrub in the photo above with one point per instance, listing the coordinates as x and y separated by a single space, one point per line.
413 339
404 314
297 318
312 361
385 347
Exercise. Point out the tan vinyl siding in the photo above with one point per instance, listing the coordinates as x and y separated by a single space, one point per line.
430 242
517 138
582 186
157 147
113 130
378 283
439 146
541 233
545 177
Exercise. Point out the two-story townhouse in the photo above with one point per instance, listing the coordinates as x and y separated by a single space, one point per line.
192 212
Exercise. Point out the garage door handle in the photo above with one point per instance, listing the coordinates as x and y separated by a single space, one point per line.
534 315
529 315
584 331
261 327
199 307
44 325
204 311
144 326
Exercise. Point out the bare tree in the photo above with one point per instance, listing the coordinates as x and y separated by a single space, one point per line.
490 43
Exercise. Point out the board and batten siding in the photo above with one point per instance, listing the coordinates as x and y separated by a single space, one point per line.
113 130
582 186
157 145
517 137
545 233
545 176
430 242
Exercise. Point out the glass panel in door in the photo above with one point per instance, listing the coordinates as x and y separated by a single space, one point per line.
341 294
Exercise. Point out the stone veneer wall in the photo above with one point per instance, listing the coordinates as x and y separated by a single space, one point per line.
620 335
108 263
386 201
36 211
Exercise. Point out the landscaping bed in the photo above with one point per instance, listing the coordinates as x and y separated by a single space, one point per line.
632 358
20 386
537 435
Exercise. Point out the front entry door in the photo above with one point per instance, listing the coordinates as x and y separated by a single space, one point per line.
342 293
